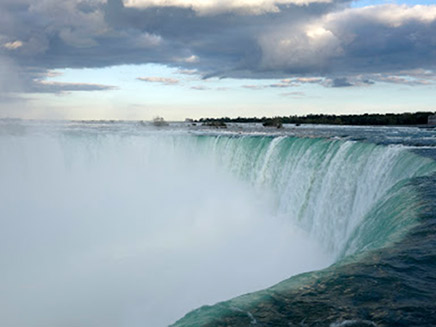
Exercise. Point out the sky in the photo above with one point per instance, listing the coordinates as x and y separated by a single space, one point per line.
138 59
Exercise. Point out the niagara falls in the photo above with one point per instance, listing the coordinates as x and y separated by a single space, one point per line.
217 163
121 224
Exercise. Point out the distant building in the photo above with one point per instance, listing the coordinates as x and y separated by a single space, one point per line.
432 120
159 121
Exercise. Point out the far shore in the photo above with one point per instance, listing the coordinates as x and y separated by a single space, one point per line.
420 119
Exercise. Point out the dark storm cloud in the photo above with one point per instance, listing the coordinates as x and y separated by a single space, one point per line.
384 39
58 34
226 44
313 40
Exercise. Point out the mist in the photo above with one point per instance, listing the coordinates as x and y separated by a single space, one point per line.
101 229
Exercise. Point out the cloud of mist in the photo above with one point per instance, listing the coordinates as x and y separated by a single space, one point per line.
109 230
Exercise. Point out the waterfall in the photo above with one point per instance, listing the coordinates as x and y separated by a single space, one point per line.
105 228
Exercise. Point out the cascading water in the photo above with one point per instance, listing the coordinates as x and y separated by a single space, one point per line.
111 225
326 187
369 206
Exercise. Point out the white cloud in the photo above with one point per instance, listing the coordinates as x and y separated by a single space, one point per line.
191 59
211 7
254 87
296 95
311 80
147 40
188 72
200 88
13 45
404 78
296 47
281 85
162 80
389 15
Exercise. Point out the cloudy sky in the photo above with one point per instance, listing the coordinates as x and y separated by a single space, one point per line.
136 59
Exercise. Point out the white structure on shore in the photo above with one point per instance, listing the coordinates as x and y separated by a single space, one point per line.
432 120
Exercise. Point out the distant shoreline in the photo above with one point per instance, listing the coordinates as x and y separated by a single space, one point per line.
404 119
417 119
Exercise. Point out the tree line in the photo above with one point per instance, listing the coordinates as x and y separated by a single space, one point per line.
417 118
